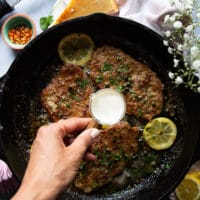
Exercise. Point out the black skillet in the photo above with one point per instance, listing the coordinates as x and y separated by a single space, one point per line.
32 70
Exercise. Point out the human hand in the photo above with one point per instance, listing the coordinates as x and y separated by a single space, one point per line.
53 165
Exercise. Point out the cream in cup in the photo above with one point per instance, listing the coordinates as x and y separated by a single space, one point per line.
107 106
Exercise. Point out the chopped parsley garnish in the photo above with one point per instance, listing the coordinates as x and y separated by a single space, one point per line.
119 88
126 156
74 97
82 165
132 93
116 157
99 79
167 166
123 68
82 83
112 81
106 67
72 94
68 104
107 158
96 153
139 113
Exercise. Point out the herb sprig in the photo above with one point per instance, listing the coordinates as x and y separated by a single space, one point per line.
45 22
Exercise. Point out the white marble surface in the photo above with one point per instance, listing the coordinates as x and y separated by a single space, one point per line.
35 9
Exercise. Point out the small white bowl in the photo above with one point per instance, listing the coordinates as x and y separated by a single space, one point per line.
13 22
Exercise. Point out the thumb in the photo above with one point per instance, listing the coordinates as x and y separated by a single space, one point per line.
84 141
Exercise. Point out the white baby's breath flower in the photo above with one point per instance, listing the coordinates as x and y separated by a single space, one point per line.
168 33
188 4
177 15
189 28
180 47
171 75
176 62
186 36
198 89
194 51
166 19
179 5
170 50
177 24
172 18
165 42
178 80
197 74
196 65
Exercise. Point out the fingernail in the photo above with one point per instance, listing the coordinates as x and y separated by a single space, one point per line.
94 132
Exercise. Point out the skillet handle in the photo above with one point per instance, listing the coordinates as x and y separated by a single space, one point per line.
2 83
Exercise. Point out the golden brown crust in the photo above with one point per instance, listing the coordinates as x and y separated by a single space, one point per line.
113 149
67 95
143 90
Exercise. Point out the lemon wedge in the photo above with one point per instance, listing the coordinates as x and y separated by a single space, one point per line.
189 188
160 133
76 48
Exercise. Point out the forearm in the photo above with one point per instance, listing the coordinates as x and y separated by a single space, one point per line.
33 191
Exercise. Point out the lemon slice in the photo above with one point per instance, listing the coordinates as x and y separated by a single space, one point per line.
76 48
189 188
196 174
160 133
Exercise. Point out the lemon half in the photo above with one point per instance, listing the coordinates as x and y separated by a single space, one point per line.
160 133
76 48
189 188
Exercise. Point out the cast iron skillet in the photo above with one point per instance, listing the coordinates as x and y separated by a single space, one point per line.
29 73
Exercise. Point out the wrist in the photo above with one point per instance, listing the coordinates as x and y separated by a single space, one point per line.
33 191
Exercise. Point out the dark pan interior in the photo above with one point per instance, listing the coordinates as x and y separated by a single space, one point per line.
35 66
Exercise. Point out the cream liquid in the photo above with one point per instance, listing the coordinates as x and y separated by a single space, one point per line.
107 106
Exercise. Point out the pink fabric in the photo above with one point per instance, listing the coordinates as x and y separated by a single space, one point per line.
5 172
8 183
147 12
